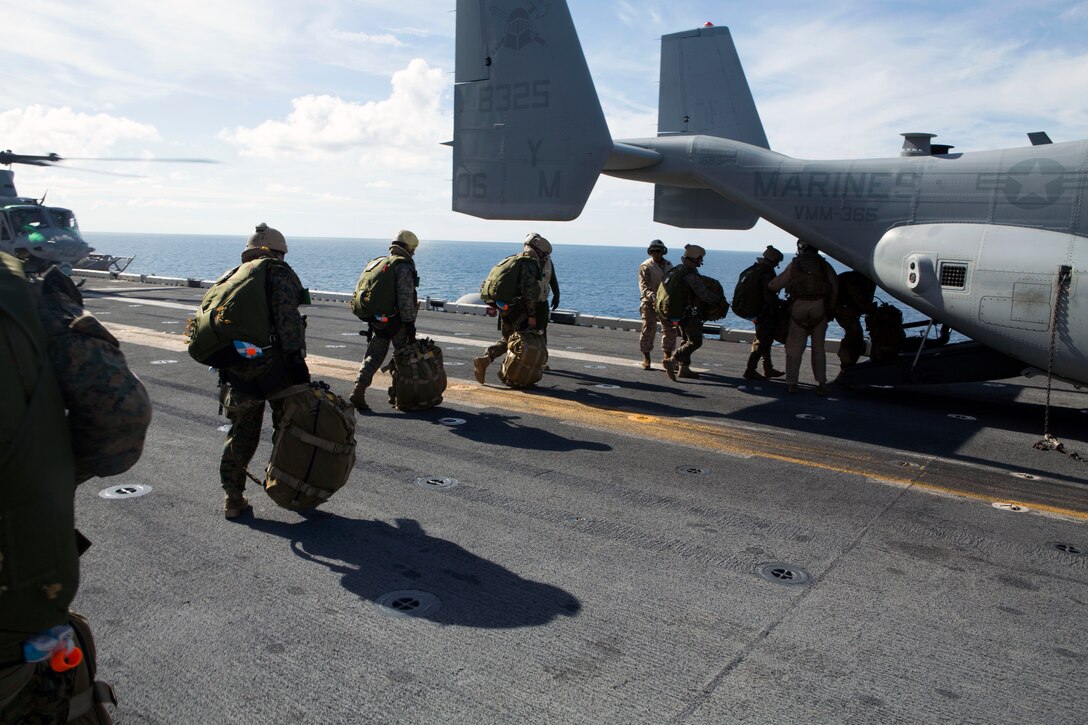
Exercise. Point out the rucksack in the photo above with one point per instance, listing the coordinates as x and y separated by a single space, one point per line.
314 450
375 295
710 312
235 308
419 377
672 294
501 285
810 281
526 355
748 294
886 334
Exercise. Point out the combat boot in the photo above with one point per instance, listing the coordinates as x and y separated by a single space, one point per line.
358 399
670 366
751 374
769 372
821 390
645 361
234 506
481 364
687 372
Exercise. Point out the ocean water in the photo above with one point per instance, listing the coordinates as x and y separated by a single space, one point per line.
592 280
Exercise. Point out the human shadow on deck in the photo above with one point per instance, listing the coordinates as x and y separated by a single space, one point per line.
507 430
375 558
691 400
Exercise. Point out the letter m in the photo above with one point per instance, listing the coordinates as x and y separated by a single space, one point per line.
550 190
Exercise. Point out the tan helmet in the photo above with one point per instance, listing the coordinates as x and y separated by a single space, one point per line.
267 237
408 240
773 256
537 242
694 252
657 246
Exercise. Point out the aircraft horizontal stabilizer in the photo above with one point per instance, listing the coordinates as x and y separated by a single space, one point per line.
529 137
699 209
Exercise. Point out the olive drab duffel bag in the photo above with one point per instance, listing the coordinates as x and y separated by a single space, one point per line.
526 355
315 447
419 377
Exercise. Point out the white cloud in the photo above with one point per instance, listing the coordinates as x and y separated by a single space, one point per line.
402 130
37 128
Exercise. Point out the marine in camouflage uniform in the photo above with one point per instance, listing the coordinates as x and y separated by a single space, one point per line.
691 324
767 319
650 275
813 286
549 283
521 314
64 360
854 300
245 387
401 329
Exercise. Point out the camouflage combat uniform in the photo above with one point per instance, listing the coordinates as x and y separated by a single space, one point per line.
766 321
515 317
854 300
650 276
691 325
399 331
246 386
808 313
76 366
548 283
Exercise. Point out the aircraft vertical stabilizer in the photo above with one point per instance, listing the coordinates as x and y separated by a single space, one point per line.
704 92
529 136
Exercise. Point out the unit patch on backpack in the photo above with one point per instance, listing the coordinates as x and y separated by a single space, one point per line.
748 295
235 309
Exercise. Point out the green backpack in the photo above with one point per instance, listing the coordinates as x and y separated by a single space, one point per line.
375 295
501 284
234 309
748 294
672 294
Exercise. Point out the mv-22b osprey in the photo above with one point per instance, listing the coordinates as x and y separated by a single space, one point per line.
993 244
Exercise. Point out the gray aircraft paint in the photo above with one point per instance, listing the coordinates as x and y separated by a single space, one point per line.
974 240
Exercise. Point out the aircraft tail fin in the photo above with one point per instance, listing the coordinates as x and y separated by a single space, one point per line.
529 136
704 92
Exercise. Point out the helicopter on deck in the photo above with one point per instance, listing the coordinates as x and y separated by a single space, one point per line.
44 236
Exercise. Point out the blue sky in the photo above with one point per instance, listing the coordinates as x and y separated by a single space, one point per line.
327 116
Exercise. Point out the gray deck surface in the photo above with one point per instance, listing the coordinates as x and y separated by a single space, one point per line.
597 560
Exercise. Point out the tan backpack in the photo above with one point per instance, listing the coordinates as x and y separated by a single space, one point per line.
526 355
315 447
419 377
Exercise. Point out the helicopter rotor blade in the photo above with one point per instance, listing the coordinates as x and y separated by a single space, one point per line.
133 158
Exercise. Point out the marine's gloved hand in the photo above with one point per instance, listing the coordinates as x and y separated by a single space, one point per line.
297 372
555 302
411 328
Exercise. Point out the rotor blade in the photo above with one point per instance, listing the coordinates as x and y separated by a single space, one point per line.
94 171
133 158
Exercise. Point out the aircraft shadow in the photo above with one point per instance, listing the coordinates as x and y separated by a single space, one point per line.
375 558
506 430
589 394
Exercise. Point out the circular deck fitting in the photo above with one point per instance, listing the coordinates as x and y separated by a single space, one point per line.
1064 548
454 363
715 365
607 386
129 490
455 347
335 347
164 362
225 428
960 416
452 421
749 387
995 385
408 603
639 418
99 314
346 334
782 573
1025 476
170 322
1006 506
462 334
135 305
596 367
574 519
882 387
906 464
576 347
809 416
436 482
693 470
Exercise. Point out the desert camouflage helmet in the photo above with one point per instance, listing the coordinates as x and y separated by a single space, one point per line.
408 240
694 251
657 246
772 255
537 242
267 237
